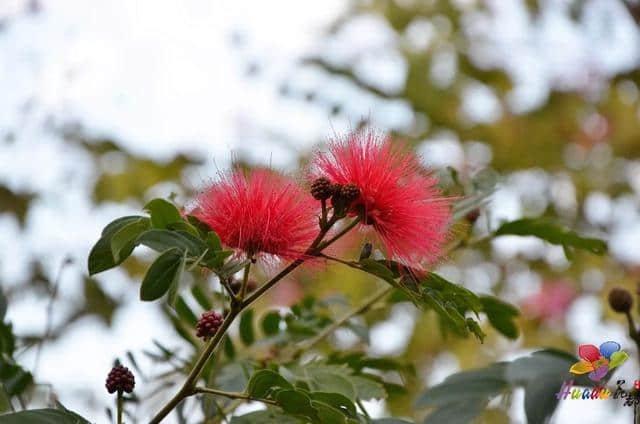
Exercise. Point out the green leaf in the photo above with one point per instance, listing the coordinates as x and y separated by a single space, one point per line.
480 384
552 233
295 402
234 266
336 400
501 316
5 402
263 382
213 241
3 305
326 378
246 327
538 405
271 323
162 273
366 388
7 339
203 228
125 238
161 240
184 312
201 297
463 396
327 414
43 416
378 269
229 350
13 377
162 213
463 412
101 255
270 416
474 327
185 227
172 294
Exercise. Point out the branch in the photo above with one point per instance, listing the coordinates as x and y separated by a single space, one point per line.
225 283
231 395
245 280
188 387
338 323
342 232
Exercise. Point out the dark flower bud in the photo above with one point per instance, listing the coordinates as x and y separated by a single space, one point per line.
208 324
620 300
322 189
120 379
365 253
349 192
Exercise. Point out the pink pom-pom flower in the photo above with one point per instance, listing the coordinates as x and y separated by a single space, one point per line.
259 213
398 198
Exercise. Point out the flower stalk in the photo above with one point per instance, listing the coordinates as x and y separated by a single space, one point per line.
189 386
119 407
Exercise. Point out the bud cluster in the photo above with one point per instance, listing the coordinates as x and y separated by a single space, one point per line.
209 324
120 379
322 189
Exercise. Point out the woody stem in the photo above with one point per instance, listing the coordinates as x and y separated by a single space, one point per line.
188 388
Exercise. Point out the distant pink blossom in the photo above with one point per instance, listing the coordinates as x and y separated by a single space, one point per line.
551 302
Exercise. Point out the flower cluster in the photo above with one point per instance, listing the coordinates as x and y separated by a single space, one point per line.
362 175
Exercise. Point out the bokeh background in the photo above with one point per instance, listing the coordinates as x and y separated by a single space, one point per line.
105 105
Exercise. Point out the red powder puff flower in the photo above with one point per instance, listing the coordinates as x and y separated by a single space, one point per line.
398 198
259 213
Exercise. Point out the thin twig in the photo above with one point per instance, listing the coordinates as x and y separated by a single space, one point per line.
231 395
245 280
307 344
237 307
225 283
49 316
342 232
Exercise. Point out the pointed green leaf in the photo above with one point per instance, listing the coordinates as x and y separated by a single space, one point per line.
185 313
162 213
43 416
246 327
213 241
125 238
101 255
162 273
161 240
264 381
295 402
271 323
501 316
552 233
